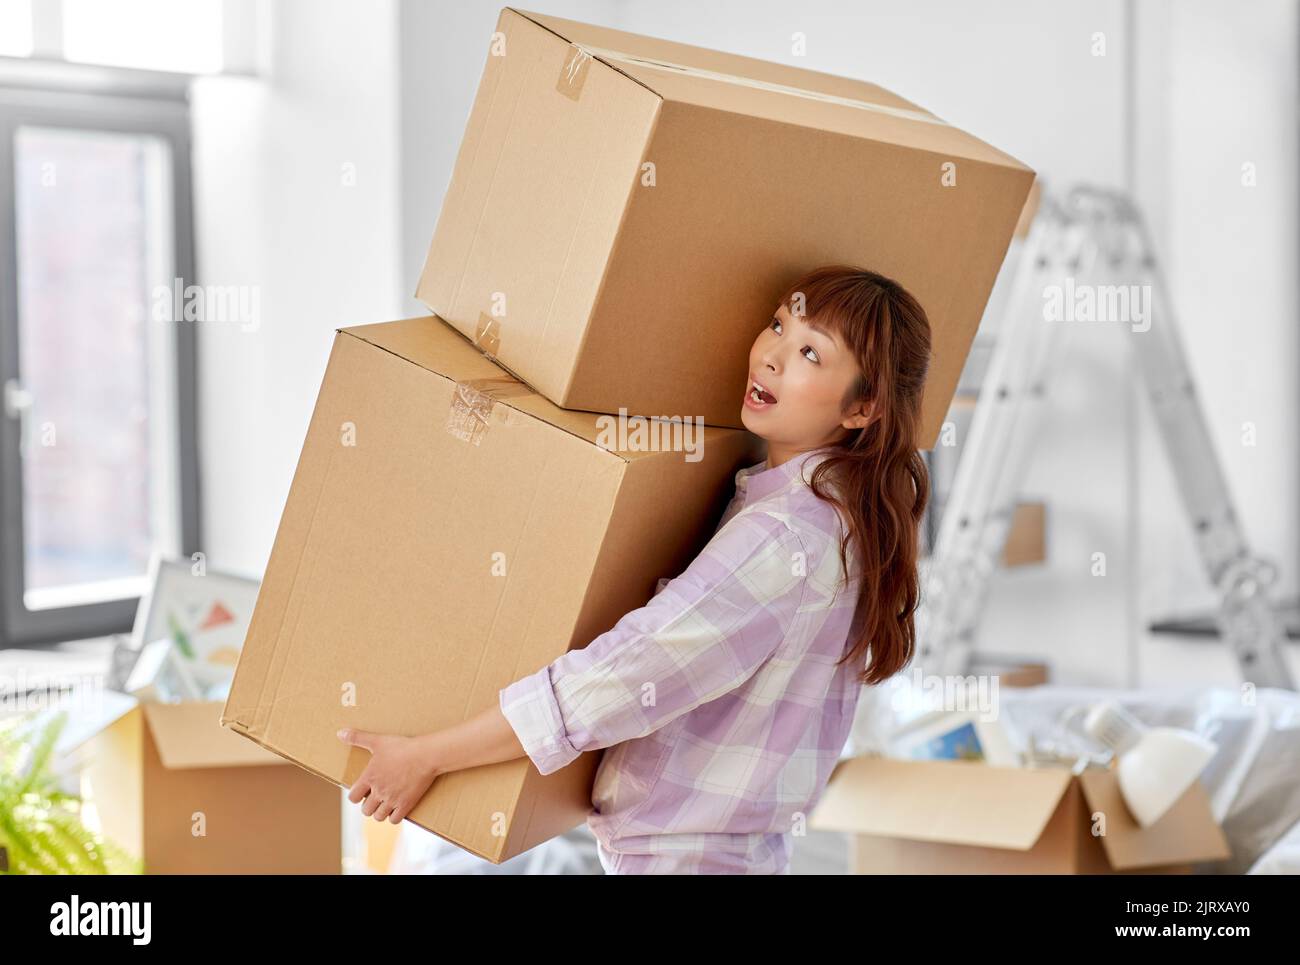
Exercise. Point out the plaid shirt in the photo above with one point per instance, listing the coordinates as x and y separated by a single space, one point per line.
719 700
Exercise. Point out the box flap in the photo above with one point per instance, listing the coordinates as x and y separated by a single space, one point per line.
189 734
431 343
84 722
957 802
778 92
1187 832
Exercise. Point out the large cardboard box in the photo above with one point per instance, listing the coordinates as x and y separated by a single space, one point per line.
171 786
625 211
448 531
967 817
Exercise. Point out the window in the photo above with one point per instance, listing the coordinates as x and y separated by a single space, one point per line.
97 465
15 28
177 36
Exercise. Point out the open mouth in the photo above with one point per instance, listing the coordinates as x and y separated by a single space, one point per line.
759 396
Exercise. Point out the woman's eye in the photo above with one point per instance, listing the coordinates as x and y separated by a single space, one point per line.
809 348
776 325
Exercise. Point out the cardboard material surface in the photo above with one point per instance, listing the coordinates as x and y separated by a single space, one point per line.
448 531
625 211
1027 537
174 788
965 817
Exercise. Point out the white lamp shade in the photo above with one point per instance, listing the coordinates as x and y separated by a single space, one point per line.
1159 769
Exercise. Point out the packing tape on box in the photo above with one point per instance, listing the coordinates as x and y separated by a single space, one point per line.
473 402
573 76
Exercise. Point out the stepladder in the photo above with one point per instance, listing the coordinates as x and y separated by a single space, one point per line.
1091 247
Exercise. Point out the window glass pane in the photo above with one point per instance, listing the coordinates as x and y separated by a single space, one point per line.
179 35
15 28
94 237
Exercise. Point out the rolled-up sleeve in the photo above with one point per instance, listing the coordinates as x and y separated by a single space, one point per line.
703 635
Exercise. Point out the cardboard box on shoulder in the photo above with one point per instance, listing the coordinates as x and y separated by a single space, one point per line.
625 211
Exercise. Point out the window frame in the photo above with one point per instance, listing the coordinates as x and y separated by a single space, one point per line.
162 112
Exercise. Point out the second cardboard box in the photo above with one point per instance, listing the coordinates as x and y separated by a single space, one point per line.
448 531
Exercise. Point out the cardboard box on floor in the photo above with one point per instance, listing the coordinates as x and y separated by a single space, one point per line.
967 817
624 212
449 531
186 796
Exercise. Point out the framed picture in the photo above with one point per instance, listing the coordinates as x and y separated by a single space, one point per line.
205 616
162 674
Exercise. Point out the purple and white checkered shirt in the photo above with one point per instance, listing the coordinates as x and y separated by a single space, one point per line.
719 701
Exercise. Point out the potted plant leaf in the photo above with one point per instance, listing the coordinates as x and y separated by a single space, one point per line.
41 831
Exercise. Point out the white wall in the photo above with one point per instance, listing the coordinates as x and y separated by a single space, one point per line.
274 208
1225 95
1184 93
1023 78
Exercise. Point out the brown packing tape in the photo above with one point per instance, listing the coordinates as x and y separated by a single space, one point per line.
573 75
487 335
472 404
577 66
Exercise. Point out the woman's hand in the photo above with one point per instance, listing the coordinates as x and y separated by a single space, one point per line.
402 768
400 771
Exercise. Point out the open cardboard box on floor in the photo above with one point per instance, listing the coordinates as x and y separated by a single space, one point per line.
968 817
175 789
449 531
625 211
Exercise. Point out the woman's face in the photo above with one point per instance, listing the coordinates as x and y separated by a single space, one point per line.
804 373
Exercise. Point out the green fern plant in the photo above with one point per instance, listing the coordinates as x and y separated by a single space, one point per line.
41 831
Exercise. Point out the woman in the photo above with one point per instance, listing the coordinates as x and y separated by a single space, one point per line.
727 699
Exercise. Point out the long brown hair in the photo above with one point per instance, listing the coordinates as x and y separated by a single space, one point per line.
874 475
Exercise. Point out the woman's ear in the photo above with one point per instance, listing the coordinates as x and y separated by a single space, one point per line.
859 416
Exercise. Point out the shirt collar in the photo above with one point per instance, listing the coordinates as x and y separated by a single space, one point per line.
758 482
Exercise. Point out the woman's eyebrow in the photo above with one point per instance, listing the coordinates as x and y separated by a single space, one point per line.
817 327
813 323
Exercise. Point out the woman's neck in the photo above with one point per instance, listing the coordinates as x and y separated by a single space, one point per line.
778 454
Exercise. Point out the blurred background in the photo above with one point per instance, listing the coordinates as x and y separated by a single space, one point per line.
294 154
